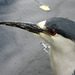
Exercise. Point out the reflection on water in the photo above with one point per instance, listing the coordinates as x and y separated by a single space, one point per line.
6 2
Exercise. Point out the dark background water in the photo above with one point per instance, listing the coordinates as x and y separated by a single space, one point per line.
20 51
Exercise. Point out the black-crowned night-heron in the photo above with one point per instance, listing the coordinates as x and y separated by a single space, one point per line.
60 34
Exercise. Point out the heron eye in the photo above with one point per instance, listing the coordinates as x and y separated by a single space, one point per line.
52 32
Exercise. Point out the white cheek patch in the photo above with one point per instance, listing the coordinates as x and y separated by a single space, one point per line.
42 24
46 37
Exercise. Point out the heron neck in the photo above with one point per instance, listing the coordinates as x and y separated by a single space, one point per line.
63 60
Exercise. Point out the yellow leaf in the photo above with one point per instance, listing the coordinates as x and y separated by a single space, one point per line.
45 7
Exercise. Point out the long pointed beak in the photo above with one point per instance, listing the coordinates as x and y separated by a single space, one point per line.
26 26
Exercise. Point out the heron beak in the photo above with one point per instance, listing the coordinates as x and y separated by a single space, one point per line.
34 28
26 26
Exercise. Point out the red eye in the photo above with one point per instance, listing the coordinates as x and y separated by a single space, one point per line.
52 32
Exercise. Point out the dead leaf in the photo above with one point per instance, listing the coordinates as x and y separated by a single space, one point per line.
45 7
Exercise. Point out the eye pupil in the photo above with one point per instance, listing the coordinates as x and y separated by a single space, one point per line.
52 32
